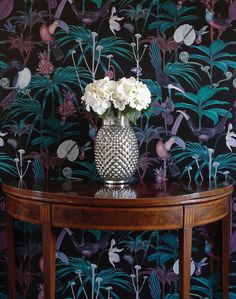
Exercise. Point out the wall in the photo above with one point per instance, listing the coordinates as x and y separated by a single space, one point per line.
191 74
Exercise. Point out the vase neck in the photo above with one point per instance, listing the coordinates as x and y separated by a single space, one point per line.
119 120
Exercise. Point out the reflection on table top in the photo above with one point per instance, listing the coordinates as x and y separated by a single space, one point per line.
144 193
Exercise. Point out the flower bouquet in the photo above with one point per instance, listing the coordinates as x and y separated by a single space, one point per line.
116 146
108 98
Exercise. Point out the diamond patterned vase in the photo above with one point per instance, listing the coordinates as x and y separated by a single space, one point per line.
116 191
116 151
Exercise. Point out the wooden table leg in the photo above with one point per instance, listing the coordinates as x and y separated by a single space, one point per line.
11 257
225 255
49 256
185 251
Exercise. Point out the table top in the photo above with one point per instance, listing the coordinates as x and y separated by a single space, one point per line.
74 192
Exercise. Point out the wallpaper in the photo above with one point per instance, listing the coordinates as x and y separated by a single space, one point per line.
185 52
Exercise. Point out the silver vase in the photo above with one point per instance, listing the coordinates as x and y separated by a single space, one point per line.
116 191
116 151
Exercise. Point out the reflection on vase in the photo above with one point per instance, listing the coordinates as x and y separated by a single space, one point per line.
116 151
116 191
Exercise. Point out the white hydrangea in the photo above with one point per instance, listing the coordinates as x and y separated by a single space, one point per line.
131 92
127 92
98 95
124 92
142 97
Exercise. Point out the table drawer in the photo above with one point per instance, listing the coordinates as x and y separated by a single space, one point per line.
117 219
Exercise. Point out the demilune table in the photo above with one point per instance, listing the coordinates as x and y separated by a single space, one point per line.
86 205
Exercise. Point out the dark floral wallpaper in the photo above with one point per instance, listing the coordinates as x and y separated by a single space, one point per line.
185 51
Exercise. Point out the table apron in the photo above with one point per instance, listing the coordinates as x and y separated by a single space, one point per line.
207 212
25 210
117 218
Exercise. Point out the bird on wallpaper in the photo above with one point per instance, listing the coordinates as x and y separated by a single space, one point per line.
21 80
47 36
205 133
220 23
47 31
161 77
88 249
89 17
163 148
23 74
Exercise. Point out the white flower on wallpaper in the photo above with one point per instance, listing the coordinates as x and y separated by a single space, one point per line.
68 149
230 137
185 34
113 253
113 22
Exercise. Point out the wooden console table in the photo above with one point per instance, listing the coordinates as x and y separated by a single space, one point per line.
85 205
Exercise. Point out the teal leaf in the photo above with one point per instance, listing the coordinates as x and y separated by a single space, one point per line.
98 3
170 240
186 106
207 92
200 57
192 97
202 49
221 65
211 115
229 63
165 257
216 47
213 102
154 88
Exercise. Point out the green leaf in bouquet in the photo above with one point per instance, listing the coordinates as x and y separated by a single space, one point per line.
132 115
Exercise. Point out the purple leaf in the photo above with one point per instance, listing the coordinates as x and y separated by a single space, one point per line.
61 256
63 26
6 8
53 3
60 9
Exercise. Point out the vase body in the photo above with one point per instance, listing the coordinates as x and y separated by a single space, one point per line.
118 191
116 151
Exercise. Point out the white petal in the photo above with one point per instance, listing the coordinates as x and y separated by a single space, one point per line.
2 134
68 149
114 25
230 127
113 11
116 18
113 242
176 267
117 249
111 261
185 33
114 257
